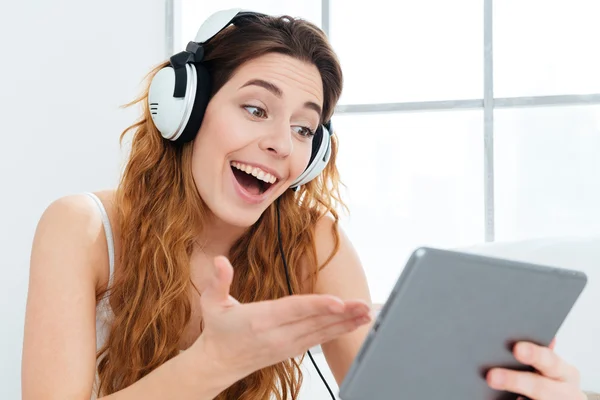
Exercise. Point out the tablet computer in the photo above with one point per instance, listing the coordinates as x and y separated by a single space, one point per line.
450 318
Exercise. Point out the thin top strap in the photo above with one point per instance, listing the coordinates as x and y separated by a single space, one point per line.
109 235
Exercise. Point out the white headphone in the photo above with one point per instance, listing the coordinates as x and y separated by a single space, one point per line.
179 94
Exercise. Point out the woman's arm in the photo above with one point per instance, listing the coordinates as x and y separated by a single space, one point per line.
68 263
344 277
192 375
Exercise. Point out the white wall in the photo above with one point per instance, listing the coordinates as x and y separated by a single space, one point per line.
65 68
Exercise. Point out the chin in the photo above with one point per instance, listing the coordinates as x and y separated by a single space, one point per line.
236 217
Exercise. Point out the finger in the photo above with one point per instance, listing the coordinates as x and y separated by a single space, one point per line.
544 360
294 308
331 332
217 290
356 302
351 309
360 304
552 344
529 384
358 308
307 326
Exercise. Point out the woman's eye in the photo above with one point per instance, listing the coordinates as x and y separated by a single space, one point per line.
304 131
256 111
259 112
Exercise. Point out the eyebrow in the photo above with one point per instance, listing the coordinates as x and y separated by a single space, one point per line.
279 93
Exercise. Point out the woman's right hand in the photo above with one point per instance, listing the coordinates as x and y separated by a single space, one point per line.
243 338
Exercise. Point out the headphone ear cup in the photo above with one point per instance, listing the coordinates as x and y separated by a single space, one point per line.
179 118
167 111
321 153
200 102
316 143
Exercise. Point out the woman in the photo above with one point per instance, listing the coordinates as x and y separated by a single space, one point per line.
183 265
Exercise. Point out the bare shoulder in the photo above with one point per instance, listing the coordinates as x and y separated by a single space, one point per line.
68 266
343 275
73 223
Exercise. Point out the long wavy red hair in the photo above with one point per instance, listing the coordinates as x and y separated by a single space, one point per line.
160 214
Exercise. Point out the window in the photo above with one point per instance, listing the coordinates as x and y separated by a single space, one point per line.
412 179
414 51
546 47
547 172
460 122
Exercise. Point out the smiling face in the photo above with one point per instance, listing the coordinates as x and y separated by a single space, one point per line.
256 136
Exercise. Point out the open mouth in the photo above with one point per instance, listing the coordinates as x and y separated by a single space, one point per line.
254 180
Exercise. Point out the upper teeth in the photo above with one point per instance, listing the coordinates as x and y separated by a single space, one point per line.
255 171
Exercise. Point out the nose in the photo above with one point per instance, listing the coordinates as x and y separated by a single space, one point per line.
277 140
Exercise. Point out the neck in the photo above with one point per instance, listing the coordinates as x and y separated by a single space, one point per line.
217 237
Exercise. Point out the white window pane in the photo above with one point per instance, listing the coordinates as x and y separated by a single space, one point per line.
412 179
547 169
395 51
546 47
194 12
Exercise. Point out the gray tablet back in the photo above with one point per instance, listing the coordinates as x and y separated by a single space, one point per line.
452 316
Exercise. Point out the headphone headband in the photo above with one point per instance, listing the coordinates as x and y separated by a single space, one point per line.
221 20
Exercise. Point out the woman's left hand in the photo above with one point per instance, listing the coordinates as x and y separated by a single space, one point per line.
555 379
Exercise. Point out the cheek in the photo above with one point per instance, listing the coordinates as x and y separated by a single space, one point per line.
301 158
200 164
223 130
205 159
211 142
219 136
201 154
